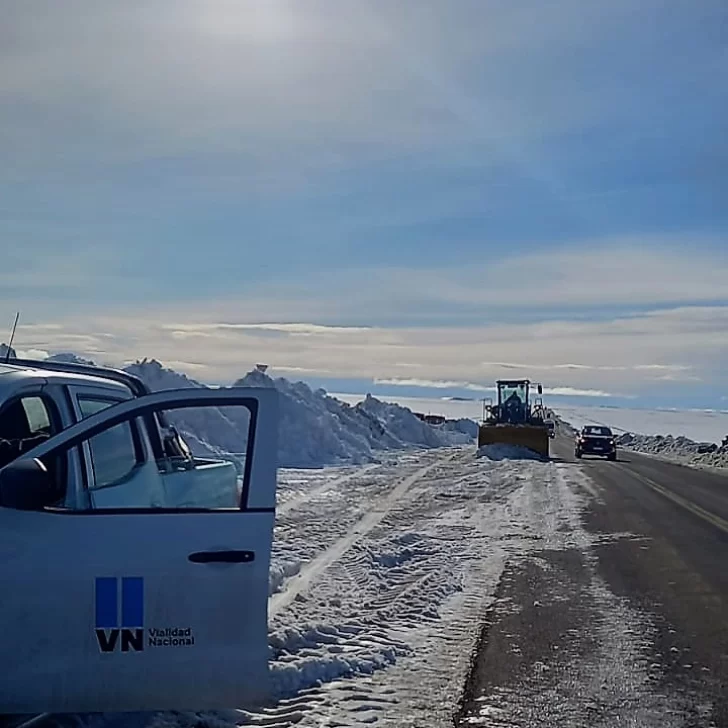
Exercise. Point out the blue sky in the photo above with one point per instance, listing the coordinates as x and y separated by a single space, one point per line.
429 190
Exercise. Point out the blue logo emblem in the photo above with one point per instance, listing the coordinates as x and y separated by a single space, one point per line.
120 613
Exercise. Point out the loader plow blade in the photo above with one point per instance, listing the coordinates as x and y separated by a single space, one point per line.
532 437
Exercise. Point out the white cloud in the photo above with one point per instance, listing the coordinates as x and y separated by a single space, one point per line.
186 367
574 392
650 271
278 81
663 367
540 366
622 355
620 271
640 272
434 384
292 370
295 329
31 353
444 384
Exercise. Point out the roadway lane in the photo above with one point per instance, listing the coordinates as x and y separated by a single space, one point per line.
707 490
677 568
657 561
686 507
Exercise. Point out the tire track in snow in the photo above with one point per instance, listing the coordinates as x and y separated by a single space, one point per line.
319 520
298 500
310 571
384 635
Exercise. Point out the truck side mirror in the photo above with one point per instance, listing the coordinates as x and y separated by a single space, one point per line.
26 485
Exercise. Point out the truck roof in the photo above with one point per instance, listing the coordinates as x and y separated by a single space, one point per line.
24 371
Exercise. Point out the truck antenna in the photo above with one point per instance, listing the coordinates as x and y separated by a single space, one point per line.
12 336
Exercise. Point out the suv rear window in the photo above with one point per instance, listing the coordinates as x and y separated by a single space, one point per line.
597 430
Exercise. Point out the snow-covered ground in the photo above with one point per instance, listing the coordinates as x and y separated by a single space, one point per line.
380 578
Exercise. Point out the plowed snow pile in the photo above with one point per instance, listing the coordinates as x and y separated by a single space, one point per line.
315 429
677 448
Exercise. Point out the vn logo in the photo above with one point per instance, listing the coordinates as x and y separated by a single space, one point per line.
127 633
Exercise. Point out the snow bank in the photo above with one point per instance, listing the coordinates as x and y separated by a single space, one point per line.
158 377
464 426
401 422
299 662
209 432
315 429
67 357
453 409
678 448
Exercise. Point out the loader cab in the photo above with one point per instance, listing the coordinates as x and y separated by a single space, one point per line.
515 404
513 400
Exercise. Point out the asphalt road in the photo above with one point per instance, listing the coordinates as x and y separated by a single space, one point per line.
628 630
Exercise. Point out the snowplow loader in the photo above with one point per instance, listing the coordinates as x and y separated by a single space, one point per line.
515 420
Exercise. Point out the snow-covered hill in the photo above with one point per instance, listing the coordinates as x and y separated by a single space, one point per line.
315 429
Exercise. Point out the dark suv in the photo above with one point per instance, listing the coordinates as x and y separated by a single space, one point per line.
596 440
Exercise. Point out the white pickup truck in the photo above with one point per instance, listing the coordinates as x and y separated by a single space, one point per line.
134 574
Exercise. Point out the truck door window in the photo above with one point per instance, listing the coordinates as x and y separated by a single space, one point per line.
116 452
24 423
209 470
37 415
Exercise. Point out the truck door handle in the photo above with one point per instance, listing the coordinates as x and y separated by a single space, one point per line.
222 557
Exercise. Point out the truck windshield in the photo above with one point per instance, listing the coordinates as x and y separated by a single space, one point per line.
508 391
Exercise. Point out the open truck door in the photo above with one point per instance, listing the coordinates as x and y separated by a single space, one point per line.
144 584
